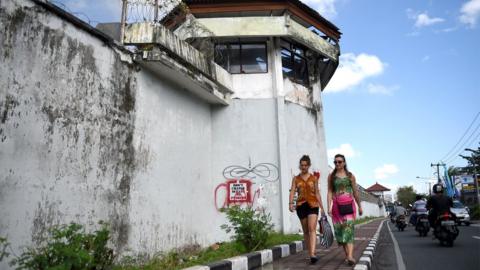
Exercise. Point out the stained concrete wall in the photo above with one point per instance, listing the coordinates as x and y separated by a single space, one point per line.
67 124
88 135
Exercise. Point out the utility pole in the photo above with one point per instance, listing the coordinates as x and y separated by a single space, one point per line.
438 169
123 20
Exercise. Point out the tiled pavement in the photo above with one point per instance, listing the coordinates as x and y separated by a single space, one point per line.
332 258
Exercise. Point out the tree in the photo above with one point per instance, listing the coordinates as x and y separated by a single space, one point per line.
473 160
406 195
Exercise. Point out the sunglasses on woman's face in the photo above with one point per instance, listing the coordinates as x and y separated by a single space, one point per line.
337 162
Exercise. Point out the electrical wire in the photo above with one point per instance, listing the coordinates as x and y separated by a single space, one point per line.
461 138
467 143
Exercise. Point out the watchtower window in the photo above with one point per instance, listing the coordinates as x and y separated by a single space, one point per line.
239 58
294 63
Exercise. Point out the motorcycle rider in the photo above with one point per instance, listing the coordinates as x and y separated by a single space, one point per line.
400 210
438 204
418 208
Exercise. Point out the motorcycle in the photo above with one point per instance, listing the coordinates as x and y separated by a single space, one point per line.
422 225
445 229
401 223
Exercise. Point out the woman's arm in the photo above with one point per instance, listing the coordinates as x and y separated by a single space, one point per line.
319 197
292 194
356 195
329 195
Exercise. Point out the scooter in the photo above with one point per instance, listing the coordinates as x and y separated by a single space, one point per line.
422 225
401 223
445 229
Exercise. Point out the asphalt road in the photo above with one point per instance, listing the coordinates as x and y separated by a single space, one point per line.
424 253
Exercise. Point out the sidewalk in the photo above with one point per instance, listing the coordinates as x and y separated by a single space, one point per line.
332 258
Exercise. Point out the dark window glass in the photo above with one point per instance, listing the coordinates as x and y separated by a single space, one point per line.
254 58
300 70
235 59
295 65
242 58
221 56
287 65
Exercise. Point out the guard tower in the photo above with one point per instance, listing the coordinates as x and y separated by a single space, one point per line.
269 48
262 65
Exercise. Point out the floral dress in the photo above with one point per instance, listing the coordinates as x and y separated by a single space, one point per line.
343 225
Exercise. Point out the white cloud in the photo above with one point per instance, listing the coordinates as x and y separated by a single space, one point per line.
353 69
423 20
470 12
382 89
426 58
345 149
326 8
385 171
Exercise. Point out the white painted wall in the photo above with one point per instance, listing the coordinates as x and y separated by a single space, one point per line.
170 196
66 127
87 136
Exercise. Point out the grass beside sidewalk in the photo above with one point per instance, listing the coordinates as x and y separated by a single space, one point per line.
362 220
179 259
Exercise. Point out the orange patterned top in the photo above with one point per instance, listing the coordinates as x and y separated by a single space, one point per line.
306 190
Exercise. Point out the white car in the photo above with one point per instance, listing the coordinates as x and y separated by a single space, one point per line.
461 212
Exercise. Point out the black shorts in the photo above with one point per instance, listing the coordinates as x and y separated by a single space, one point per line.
304 210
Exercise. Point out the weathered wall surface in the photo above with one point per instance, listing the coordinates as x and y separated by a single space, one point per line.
244 136
305 135
67 123
87 135
172 195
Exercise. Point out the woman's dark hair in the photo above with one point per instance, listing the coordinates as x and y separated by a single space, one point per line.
332 175
305 158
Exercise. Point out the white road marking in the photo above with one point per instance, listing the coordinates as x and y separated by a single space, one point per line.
400 262
476 237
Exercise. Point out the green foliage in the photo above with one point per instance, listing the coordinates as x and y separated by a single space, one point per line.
406 195
3 248
475 212
251 227
69 247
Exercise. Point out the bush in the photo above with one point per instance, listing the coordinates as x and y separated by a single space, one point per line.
475 212
251 227
69 247
3 248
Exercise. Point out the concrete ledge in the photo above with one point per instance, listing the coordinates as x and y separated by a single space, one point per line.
254 259
365 261
220 265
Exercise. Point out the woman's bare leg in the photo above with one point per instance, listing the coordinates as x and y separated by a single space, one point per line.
306 237
312 231
350 251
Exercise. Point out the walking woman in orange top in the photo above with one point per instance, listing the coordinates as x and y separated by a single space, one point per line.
308 203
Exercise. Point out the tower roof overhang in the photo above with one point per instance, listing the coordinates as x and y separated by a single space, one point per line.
300 11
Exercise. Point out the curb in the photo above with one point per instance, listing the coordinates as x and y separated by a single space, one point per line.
365 261
259 258
255 259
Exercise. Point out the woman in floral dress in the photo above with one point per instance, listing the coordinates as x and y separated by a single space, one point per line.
342 190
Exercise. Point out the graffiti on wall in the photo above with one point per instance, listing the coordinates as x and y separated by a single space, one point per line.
244 185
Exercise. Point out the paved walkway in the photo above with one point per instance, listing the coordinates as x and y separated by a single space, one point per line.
332 258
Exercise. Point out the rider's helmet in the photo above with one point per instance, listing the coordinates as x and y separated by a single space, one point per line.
437 188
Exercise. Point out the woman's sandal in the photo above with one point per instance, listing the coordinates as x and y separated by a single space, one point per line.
351 262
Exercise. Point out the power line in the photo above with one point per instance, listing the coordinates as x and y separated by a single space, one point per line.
471 142
465 133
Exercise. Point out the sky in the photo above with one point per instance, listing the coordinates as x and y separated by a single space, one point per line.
407 88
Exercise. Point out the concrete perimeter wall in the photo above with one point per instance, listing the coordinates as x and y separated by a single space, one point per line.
88 135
